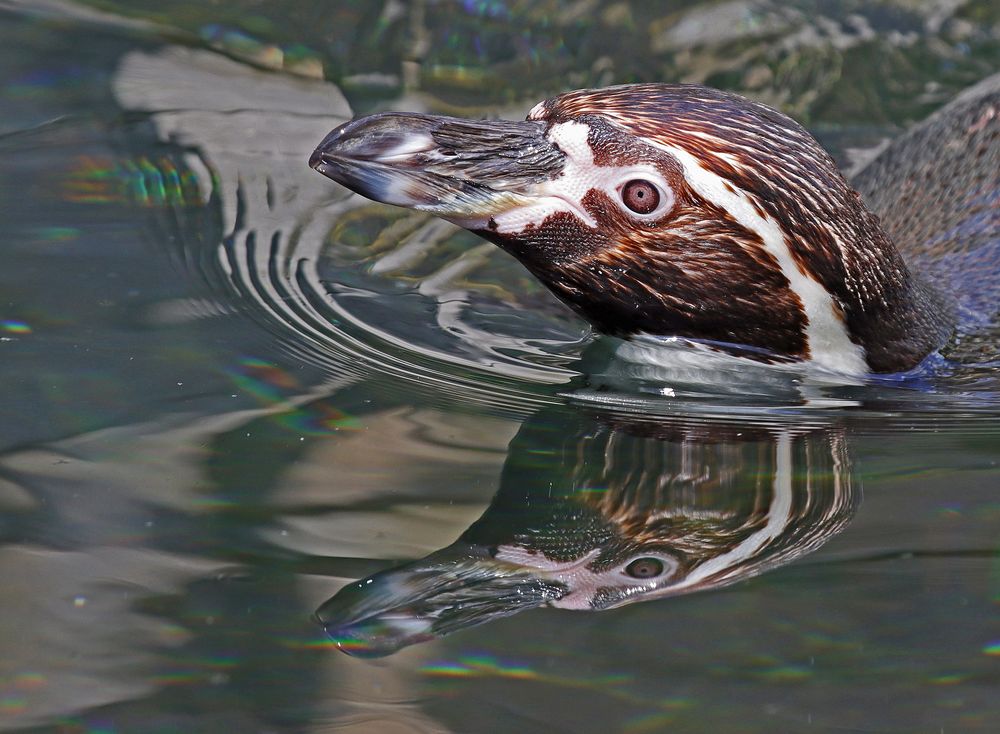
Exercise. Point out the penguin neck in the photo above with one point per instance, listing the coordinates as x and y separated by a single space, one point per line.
898 315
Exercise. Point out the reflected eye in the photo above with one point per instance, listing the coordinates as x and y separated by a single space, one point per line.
644 568
640 196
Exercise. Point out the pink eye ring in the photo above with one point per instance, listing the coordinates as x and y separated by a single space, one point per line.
640 196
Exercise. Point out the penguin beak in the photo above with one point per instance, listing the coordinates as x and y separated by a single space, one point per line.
449 590
462 170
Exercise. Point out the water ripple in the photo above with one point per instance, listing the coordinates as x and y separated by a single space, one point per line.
356 315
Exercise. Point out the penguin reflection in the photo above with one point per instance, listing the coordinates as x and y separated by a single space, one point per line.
596 512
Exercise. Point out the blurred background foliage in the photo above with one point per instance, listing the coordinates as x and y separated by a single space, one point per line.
827 62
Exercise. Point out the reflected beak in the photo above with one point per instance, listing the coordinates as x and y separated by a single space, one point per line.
442 593
461 170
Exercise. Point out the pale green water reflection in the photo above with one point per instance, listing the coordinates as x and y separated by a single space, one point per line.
230 389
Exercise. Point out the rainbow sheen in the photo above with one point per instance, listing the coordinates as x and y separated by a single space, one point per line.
351 645
57 234
786 673
949 679
140 180
448 670
486 8
271 384
13 704
320 418
295 57
168 680
263 379
992 648
12 326
478 665
42 82
652 715
319 643
30 681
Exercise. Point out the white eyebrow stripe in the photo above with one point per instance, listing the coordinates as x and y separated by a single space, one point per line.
829 344
807 188
580 175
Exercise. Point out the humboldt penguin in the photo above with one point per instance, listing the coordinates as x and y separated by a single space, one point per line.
683 211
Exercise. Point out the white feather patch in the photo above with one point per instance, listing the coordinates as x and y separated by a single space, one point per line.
580 175
829 343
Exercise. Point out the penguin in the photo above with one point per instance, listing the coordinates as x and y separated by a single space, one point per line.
681 211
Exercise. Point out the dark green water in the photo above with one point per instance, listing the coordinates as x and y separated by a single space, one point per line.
229 389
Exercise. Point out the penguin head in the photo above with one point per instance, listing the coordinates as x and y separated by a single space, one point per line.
661 209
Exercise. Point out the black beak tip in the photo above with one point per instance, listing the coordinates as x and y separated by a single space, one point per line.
316 158
319 156
332 167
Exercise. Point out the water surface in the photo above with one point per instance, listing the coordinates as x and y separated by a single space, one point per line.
231 389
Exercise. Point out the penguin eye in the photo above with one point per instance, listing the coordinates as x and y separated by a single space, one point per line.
644 568
640 196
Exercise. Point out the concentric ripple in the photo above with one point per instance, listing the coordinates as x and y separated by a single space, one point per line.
352 287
